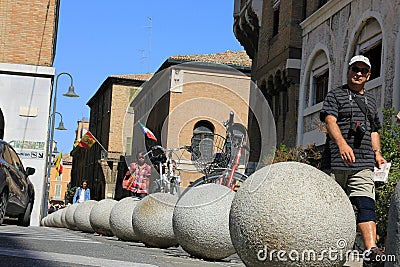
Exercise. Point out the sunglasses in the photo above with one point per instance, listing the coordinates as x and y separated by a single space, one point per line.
357 70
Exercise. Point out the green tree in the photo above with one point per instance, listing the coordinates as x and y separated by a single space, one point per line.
390 144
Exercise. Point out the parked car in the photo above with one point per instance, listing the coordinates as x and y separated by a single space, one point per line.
16 190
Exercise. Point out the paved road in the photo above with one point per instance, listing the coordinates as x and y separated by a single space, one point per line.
44 246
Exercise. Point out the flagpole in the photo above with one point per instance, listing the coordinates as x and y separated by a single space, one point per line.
99 143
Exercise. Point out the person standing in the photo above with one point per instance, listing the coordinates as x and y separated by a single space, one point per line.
136 179
82 193
353 148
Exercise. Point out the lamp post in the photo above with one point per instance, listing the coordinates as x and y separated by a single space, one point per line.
70 93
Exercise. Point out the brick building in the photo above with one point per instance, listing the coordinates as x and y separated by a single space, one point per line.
28 34
184 99
59 184
108 107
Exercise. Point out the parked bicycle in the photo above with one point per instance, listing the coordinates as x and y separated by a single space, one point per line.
219 158
169 180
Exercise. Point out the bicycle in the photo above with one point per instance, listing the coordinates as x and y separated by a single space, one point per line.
218 158
169 181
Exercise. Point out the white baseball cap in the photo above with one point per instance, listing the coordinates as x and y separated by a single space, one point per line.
360 58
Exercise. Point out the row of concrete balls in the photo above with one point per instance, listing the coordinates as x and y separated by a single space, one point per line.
289 207
199 221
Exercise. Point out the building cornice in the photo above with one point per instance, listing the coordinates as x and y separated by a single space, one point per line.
323 14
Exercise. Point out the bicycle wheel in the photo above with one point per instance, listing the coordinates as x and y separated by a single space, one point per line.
215 178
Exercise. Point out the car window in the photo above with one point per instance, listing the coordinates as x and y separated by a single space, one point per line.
17 161
7 156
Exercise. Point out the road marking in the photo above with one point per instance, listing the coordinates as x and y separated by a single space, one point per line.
68 258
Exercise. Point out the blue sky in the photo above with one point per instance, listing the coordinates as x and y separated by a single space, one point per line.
98 38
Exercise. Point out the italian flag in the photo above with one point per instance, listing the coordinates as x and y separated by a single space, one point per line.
147 132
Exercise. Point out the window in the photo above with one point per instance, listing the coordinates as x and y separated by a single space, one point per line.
321 86
59 177
276 7
319 79
369 44
57 191
16 160
203 141
321 3
374 55
7 155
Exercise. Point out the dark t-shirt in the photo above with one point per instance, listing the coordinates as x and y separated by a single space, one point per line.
340 103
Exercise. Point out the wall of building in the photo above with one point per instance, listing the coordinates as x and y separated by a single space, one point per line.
62 180
334 31
25 106
28 31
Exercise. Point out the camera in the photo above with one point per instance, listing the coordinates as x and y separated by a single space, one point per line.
358 127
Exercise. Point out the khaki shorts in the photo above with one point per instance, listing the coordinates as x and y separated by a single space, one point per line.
355 183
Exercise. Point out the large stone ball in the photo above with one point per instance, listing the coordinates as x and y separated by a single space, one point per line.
63 218
393 230
48 220
82 216
100 216
57 219
152 220
285 213
121 219
201 221
69 216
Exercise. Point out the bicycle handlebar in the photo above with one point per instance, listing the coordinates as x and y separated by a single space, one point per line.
230 121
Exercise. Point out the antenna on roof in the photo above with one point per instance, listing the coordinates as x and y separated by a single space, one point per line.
142 58
150 27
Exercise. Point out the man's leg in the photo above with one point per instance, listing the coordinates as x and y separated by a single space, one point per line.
368 232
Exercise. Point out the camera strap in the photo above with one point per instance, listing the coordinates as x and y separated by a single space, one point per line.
364 109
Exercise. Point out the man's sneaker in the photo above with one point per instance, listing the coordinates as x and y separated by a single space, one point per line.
374 258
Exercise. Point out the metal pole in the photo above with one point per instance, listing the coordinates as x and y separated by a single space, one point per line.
51 140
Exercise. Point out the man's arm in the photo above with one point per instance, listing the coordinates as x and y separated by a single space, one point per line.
376 146
346 151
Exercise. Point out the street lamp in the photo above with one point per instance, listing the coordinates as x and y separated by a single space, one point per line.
61 124
70 93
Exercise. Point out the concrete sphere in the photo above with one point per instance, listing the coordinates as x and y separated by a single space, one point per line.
46 220
121 219
57 219
69 217
393 229
152 220
100 216
294 208
49 220
82 216
63 219
201 221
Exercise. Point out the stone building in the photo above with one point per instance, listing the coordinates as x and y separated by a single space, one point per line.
300 50
182 100
331 36
270 33
28 33
108 107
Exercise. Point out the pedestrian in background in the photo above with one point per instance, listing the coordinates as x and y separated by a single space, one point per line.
82 193
136 179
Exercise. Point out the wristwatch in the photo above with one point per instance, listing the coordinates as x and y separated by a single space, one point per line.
377 150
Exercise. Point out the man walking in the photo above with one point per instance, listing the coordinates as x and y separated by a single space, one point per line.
353 147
